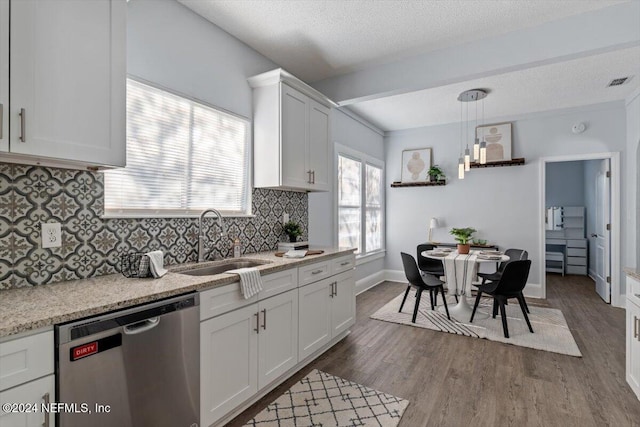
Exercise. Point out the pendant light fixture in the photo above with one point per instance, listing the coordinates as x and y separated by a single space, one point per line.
479 146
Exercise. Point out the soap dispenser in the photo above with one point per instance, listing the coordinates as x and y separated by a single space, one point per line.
237 248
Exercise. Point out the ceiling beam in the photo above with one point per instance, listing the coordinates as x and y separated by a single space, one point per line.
611 28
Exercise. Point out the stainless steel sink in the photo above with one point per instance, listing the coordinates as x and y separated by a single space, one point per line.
222 268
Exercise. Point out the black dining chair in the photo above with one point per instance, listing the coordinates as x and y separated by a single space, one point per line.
431 266
510 285
426 282
514 255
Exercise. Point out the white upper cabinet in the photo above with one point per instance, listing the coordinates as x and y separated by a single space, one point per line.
291 133
68 82
4 75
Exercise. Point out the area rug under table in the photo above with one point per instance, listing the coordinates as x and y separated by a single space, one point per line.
551 332
320 399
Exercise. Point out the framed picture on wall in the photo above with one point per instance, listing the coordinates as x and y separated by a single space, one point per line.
416 164
498 139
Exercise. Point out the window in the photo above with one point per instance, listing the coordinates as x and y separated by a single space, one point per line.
360 201
182 156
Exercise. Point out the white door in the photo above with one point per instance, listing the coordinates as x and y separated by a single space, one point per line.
278 337
602 235
228 362
67 83
4 75
34 392
319 146
315 317
343 306
294 138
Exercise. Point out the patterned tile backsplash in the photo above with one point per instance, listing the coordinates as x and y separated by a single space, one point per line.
91 245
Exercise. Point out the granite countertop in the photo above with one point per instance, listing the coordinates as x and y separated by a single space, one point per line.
632 272
25 309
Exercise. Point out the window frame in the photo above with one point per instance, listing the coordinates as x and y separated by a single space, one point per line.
364 159
191 213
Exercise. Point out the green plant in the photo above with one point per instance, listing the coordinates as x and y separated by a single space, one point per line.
462 235
293 230
436 172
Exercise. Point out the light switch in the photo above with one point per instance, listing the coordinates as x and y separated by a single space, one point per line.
285 218
51 235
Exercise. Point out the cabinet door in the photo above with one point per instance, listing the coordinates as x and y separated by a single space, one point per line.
34 392
68 78
633 346
343 307
4 75
293 129
228 362
319 146
278 337
315 317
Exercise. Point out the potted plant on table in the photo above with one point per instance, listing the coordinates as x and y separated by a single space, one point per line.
293 230
436 174
462 236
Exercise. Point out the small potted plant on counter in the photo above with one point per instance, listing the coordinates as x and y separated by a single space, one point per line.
462 236
293 230
436 174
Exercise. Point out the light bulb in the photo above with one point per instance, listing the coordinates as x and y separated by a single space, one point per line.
461 168
467 160
483 152
476 150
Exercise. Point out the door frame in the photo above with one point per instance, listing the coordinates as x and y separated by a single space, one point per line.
617 300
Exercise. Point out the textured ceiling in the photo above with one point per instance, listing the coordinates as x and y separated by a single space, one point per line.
561 85
317 39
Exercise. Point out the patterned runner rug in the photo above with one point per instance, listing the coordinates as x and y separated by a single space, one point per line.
551 332
322 400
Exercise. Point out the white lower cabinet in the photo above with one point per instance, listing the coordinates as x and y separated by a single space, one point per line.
327 308
243 350
633 345
34 392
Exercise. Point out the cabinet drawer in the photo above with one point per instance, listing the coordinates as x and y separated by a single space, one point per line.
572 260
314 272
341 264
576 243
277 283
222 299
576 252
26 358
633 286
556 242
576 269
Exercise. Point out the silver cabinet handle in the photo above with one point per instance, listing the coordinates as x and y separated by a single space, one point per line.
264 319
342 264
46 399
309 179
1 120
636 334
23 120
316 272
335 286
257 329
331 294
313 177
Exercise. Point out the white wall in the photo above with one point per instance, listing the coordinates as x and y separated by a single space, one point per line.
502 203
170 45
631 252
349 132
565 184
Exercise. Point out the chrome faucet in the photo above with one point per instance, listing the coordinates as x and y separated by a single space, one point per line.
201 235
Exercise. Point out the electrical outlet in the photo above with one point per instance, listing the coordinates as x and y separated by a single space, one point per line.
285 218
51 235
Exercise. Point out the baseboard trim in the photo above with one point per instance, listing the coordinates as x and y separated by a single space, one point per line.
532 290
369 282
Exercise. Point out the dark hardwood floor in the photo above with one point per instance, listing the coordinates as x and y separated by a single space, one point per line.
458 381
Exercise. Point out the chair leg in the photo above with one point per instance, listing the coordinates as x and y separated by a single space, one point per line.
475 306
415 309
495 308
431 298
444 300
456 295
406 294
435 299
503 314
523 307
525 303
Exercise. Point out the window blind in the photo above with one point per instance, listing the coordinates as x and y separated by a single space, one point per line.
182 157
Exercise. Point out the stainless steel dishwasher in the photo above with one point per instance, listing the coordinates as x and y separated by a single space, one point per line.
137 367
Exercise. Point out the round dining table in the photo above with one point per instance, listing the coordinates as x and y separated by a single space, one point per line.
461 272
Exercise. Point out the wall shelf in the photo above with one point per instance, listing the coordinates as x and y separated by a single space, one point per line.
417 184
512 162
